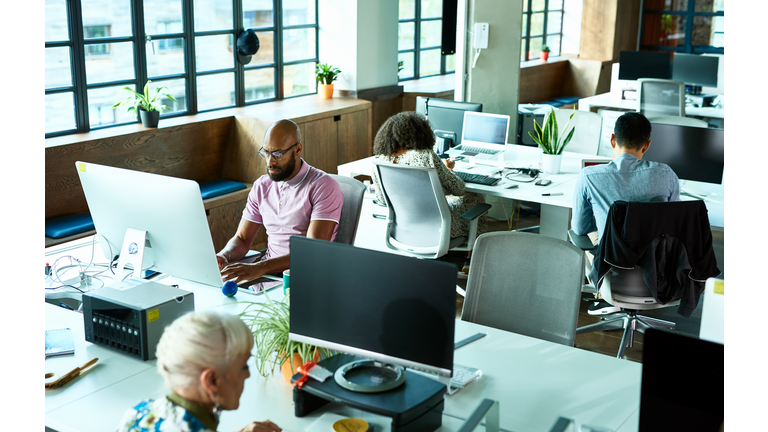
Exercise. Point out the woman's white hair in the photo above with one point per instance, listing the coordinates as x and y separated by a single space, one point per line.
197 341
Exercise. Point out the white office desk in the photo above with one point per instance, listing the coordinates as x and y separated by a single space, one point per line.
610 100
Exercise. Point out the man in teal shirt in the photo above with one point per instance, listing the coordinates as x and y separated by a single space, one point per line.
627 178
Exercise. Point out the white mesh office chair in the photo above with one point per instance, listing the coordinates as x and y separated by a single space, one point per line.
659 97
680 121
525 283
588 126
353 191
419 220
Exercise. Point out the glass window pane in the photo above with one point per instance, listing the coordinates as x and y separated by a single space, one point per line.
100 111
106 18
58 72
554 21
259 84
162 16
59 112
525 5
299 79
555 5
167 58
553 42
178 89
266 53
709 6
214 52
537 5
431 33
535 51
213 15
450 63
668 5
429 62
298 44
406 9
537 24
257 13
215 91
56 23
298 12
406 33
525 26
704 30
522 51
431 8
109 62
408 68
663 30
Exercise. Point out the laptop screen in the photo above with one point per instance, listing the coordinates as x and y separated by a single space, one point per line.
483 128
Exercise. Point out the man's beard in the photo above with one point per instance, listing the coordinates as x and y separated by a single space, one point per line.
284 172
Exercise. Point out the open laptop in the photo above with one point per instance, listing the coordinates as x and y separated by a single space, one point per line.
484 136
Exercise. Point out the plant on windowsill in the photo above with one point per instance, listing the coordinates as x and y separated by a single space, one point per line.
270 323
147 104
326 75
544 53
551 142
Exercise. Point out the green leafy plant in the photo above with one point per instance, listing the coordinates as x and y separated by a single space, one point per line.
545 49
270 324
147 101
400 66
548 138
326 73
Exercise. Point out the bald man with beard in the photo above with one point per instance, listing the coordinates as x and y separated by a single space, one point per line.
293 198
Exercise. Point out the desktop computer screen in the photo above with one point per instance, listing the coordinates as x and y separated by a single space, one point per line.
634 65
695 69
169 209
446 116
382 306
696 154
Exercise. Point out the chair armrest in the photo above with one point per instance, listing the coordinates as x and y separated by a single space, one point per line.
476 211
581 241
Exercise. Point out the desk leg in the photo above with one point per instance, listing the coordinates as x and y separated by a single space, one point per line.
554 221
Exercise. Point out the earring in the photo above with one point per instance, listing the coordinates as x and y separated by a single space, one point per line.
216 407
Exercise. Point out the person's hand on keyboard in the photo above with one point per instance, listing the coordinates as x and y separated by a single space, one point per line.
449 163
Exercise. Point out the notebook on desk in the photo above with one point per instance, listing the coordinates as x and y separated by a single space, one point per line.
484 136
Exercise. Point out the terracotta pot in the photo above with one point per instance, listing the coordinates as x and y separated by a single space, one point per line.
325 90
544 55
289 372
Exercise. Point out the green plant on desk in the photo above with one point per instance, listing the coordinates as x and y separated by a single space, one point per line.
548 137
270 324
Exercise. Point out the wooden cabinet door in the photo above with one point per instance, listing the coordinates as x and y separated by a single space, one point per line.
319 138
354 142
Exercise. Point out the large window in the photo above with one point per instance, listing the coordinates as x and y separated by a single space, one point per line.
542 26
95 48
686 26
419 38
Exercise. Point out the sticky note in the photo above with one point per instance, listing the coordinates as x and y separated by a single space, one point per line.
719 287
81 166
153 315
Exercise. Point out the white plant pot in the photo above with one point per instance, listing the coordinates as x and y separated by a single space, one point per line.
551 163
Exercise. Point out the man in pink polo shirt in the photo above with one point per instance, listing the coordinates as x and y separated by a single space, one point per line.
292 199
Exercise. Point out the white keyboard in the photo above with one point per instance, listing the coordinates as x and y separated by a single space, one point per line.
463 375
474 149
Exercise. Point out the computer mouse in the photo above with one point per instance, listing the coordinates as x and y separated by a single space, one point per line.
543 182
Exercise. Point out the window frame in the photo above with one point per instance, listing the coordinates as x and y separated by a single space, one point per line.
140 38
528 15
417 48
690 14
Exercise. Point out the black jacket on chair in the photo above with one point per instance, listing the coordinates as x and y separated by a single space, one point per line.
670 241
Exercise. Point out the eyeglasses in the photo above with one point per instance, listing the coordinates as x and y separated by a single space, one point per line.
278 155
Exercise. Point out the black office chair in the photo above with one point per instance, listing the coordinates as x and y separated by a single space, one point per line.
652 255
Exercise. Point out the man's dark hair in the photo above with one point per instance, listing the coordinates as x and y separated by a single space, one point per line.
632 130
406 130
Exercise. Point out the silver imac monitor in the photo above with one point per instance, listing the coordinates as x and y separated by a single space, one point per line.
389 308
168 211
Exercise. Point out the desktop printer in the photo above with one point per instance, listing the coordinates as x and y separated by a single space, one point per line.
130 316
526 115
700 100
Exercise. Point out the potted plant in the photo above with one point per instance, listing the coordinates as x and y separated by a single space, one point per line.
544 53
270 323
149 107
326 75
550 140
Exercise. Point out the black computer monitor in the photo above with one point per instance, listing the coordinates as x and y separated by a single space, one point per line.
446 116
634 65
387 307
695 70
693 153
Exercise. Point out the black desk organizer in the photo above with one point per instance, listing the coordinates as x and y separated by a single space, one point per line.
417 405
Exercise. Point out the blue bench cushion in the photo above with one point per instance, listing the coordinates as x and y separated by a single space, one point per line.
215 188
566 100
553 103
66 226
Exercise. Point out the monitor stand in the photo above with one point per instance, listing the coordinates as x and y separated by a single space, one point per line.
369 376
132 253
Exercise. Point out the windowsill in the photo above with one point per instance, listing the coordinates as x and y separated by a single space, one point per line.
539 62
298 109
433 84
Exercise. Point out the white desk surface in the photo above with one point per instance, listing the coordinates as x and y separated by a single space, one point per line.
610 100
535 381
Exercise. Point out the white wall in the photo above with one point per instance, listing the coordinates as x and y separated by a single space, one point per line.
572 10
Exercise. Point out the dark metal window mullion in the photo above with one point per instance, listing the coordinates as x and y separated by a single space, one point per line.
417 41
140 50
278 49
546 21
188 18
78 65
237 11
528 31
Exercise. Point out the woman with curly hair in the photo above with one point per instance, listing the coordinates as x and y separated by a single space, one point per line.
406 138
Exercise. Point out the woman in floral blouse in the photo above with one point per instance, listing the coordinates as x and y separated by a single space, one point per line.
203 358
406 138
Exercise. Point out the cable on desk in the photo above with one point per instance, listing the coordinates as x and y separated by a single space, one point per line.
531 173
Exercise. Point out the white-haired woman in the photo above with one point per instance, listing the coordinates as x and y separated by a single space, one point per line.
203 358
